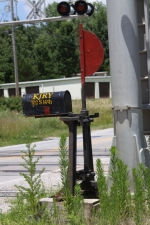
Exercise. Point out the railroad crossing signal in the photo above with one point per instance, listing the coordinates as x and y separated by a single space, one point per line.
36 9
80 7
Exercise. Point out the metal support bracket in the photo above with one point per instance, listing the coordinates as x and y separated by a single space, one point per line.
140 152
124 107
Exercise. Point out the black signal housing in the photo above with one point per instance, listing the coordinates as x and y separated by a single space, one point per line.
64 9
79 7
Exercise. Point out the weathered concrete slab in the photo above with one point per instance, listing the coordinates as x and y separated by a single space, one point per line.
89 206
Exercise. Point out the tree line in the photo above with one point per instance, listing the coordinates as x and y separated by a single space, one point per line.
50 50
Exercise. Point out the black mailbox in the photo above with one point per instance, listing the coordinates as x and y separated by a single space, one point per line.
47 104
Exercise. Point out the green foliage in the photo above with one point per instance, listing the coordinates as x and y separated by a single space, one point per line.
139 194
76 211
119 191
146 175
63 163
17 213
12 103
102 193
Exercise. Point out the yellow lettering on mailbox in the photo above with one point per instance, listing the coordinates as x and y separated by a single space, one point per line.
44 95
36 96
34 102
50 94
41 99
40 102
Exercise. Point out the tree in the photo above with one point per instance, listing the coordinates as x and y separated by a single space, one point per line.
50 50
25 40
6 56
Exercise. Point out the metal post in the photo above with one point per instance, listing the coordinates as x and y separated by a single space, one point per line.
44 8
34 10
125 81
16 9
72 125
83 97
72 154
14 49
87 147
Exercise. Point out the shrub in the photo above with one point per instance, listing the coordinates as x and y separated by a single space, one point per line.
11 103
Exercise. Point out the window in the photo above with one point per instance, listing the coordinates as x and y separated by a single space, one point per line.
34 89
104 90
12 92
89 90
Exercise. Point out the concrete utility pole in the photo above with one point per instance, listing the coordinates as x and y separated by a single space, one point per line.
14 49
125 80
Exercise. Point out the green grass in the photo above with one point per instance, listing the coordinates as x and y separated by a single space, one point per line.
17 129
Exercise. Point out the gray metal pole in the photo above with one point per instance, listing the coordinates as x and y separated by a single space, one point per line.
44 8
125 80
16 2
14 50
42 20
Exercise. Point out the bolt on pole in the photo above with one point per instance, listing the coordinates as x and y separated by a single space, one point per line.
14 50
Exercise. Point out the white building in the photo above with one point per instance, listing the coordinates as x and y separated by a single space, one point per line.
95 86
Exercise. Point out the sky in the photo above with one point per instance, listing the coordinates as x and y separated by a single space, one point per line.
22 8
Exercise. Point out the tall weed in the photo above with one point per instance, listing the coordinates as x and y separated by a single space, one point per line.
63 163
139 194
73 203
120 190
76 211
35 189
102 193
115 204
146 174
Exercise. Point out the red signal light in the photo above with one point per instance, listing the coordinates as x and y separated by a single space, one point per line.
81 7
64 9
